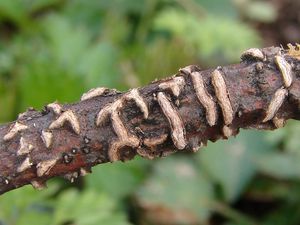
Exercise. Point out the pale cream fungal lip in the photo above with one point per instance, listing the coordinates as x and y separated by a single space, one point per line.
175 85
26 164
55 107
285 69
69 117
24 147
14 130
124 137
44 167
204 98
275 104
222 96
177 126
47 138
95 92
254 53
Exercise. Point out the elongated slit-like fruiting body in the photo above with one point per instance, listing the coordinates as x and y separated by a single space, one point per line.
177 126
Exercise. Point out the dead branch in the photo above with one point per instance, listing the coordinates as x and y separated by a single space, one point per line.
179 113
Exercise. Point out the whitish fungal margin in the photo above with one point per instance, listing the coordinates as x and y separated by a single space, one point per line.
14 130
279 122
69 117
26 164
117 105
54 107
285 69
93 93
177 126
175 85
43 168
124 138
275 104
24 148
38 185
227 131
222 96
47 138
139 101
154 141
254 53
204 98
186 70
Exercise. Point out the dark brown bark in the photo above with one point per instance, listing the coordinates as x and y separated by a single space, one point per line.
164 117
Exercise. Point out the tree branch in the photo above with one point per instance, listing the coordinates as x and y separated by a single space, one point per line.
179 113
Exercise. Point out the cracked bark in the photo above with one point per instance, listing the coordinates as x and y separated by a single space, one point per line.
179 113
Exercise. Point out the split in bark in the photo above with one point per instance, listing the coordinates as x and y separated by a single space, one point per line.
179 113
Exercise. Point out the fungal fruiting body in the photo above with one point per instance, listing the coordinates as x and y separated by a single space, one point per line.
95 92
54 107
69 117
24 147
222 96
204 98
139 101
177 126
175 85
44 167
275 104
15 129
47 137
227 131
125 138
154 141
254 53
26 164
285 69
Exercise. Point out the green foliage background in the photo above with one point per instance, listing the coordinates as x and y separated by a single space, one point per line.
55 50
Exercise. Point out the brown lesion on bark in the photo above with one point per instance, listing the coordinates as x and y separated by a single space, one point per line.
182 112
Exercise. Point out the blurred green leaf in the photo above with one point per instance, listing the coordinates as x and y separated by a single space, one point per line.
212 35
177 185
280 165
230 163
27 206
87 208
118 180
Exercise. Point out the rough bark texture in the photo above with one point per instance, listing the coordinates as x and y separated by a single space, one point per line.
179 113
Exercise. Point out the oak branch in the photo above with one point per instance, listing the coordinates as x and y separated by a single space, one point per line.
180 113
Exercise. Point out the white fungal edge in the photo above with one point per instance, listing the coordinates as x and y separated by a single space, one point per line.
118 104
24 148
186 70
43 168
285 69
83 172
227 131
175 85
124 138
278 122
177 126
93 93
69 117
139 101
254 53
154 141
14 130
26 164
54 107
275 104
222 96
204 98
47 138
38 185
